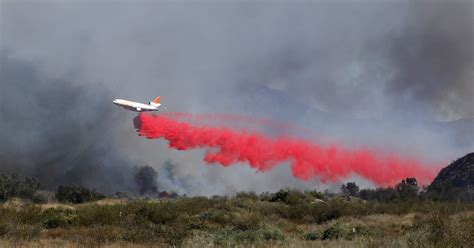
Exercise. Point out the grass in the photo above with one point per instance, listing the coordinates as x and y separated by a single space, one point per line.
243 220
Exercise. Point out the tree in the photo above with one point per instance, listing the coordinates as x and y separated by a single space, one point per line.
408 188
77 194
15 185
350 189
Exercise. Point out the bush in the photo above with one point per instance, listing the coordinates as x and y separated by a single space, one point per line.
56 217
95 236
326 212
317 195
272 234
55 222
438 225
19 232
247 195
247 221
233 237
77 194
334 232
408 189
216 216
435 225
157 213
100 215
350 189
289 197
311 236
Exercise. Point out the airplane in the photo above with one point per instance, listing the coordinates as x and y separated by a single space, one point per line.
138 107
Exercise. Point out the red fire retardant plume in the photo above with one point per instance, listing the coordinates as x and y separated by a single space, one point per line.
308 160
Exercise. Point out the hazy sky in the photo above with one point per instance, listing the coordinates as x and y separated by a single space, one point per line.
367 73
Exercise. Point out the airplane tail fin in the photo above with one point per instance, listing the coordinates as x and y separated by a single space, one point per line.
157 99
156 102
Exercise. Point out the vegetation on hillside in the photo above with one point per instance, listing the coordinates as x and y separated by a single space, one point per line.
77 194
455 182
286 217
14 185
405 215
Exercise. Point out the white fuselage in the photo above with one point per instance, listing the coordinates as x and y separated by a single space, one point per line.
136 106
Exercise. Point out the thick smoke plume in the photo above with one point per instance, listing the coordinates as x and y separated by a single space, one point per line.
308 160
50 131
146 179
364 73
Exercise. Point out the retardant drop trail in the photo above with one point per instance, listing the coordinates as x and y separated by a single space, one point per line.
308 160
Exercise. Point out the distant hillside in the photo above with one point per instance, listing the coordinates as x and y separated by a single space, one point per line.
459 174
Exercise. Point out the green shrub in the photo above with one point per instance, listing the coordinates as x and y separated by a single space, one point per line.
142 234
334 232
299 211
56 217
461 232
232 237
317 195
28 215
6 228
26 232
159 213
311 236
246 221
229 237
19 232
194 205
100 215
350 189
272 234
435 226
247 195
332 210
280 196
55 222
77 194
216 216
289 197
94 236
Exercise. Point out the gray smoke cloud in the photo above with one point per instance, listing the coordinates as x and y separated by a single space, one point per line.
57 132
364 73
433 59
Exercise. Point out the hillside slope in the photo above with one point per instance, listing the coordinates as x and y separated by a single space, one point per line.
459 174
